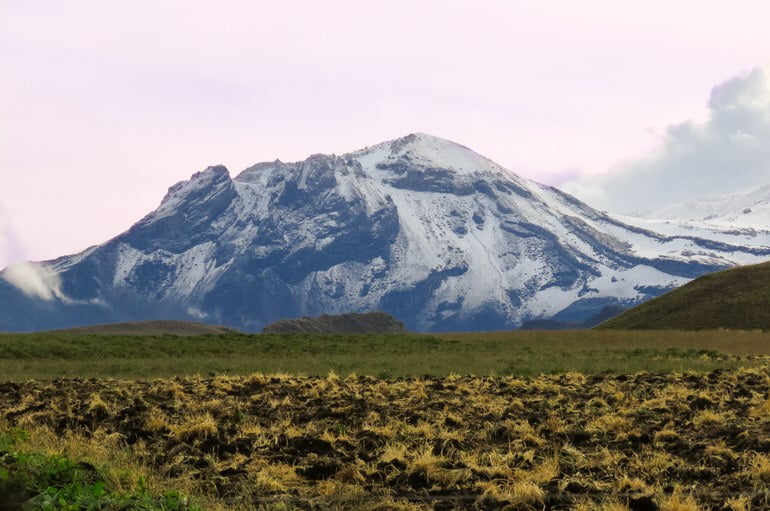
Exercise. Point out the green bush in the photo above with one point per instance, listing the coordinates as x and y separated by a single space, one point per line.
31 481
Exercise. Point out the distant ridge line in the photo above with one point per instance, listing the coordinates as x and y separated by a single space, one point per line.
151 327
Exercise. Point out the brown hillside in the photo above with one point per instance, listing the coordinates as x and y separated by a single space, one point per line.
159 327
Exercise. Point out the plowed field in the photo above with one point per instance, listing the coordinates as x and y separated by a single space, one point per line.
641 442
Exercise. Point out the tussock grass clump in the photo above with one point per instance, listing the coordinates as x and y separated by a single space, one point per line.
679 502
196 427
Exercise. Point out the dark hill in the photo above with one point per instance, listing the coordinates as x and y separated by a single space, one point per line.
372 322
738 299
149 328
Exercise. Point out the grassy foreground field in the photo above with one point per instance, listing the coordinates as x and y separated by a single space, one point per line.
674 442
676 421
57 355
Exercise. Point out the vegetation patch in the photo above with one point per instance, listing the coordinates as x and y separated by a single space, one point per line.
52 355
32 480
677 440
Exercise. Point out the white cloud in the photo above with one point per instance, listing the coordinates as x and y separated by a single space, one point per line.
197 313
730 152
35 281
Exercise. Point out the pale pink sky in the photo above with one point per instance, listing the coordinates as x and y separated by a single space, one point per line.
105 104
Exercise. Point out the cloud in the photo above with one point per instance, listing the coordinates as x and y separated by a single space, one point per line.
197 313
729 152
35 281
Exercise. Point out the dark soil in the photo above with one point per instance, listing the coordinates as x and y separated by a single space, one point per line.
642 440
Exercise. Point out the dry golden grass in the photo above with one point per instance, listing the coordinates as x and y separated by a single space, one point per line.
678 502
195 427
567 441
707 419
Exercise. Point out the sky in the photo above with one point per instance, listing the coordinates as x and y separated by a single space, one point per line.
726 153
104 105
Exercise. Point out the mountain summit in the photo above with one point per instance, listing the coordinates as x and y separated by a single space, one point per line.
419 227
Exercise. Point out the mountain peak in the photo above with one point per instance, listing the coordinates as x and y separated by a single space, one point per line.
198 181
415 150
429 147
420 138
216 170
430 151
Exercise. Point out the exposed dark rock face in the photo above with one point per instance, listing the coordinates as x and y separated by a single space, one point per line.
351 323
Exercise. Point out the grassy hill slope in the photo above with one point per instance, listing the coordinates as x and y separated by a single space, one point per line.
738 298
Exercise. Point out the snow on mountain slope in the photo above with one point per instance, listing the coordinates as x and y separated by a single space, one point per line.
743 236
420 227
737 210
741 219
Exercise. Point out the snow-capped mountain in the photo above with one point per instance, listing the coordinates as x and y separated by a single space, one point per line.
736 218
419 227
736 210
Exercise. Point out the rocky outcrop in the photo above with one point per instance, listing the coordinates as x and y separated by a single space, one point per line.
351 323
